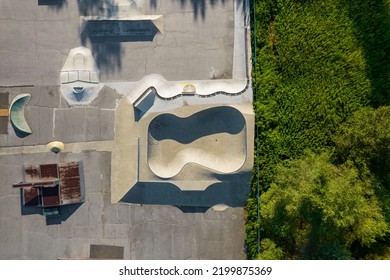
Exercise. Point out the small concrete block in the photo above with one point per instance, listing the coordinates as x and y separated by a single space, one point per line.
107 124
141 213
11 167
70 125
92 177
77 248
60 248
210 250
80 232
115 214
4 138
11 239
20 43
92 124
151 241
182 242
96 232
47 96
95 208
45 119
39 246
81 216
52 230
35 224
45 36
10 207
106 99
116 231
65 230
211 231
105 172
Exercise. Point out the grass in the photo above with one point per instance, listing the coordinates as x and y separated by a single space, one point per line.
316 63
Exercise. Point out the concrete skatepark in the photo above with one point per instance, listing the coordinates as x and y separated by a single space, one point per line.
162 123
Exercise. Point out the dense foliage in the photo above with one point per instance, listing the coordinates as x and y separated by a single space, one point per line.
321 70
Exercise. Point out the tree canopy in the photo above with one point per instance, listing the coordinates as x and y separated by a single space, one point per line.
317 210
321 79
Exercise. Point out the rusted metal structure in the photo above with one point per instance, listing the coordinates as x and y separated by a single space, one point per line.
52 185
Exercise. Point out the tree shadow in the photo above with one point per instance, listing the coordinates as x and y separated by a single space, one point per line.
53 4
372 28
153 4
92 7
106 51
199 6
230 194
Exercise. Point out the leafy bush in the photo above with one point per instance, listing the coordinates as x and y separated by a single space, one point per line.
316 63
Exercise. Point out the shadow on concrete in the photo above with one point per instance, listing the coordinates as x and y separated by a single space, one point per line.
199 7
223 119
153 4
190 209
145 33
19 133
232 195
53 4
106 51
65 211
92 7
107 56
372 28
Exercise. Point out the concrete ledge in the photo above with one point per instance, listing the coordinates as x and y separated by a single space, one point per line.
135 28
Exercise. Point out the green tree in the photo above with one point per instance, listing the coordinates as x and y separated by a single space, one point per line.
316 210
365 139
269 250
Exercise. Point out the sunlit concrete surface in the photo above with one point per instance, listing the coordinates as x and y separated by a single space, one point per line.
197 42
176 193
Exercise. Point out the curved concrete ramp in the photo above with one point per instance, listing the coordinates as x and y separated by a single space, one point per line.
169 90
16 112
214 138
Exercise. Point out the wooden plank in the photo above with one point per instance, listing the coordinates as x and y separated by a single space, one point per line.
70 183
49 171
50 183
4 113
